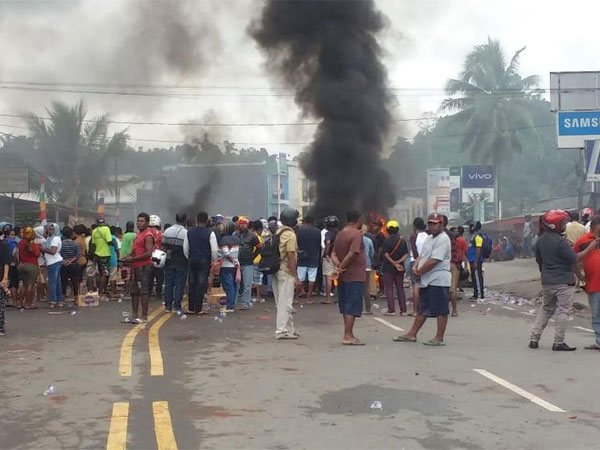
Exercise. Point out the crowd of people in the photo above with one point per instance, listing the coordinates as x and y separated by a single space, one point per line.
280 257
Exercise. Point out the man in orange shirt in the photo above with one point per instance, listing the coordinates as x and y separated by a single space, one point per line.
591 266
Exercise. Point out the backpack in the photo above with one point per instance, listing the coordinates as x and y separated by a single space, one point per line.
486 249
270 256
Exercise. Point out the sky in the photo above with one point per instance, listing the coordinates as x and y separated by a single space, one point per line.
193 62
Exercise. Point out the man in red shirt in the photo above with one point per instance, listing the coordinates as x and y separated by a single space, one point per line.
140 259
591 266
348 256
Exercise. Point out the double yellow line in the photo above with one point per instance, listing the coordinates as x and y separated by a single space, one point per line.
163 427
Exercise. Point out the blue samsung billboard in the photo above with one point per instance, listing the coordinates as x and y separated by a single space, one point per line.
478 177
579 123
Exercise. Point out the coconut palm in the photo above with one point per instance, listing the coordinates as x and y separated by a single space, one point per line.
72 152
492 102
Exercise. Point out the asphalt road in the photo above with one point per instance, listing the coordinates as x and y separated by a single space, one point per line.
230 384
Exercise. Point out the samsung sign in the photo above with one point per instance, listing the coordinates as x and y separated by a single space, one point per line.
575 127
478 177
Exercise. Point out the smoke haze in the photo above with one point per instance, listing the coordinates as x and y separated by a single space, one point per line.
328 51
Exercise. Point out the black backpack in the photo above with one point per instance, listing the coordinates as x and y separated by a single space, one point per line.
270 256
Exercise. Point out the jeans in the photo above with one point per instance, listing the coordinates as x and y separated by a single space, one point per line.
557 299
389 281
246 285
70 273
55 294
199 270
175 276
527 246
229 285
283 289
159 276
594 299
477 277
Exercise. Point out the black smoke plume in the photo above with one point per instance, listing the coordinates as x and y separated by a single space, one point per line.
328 52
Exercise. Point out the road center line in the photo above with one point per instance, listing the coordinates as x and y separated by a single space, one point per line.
117 434
156 359
126 358
508 308
517 390
388 324
584 329
163 427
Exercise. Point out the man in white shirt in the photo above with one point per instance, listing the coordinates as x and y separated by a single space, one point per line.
433 271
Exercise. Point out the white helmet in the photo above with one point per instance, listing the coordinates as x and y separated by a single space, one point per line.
154 221
159 258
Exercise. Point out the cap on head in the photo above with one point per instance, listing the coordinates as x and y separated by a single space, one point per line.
392 224
243 221
435 218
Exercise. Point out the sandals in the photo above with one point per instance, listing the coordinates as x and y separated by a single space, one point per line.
403 339
434 343
356 343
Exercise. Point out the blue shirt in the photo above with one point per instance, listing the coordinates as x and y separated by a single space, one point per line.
114 261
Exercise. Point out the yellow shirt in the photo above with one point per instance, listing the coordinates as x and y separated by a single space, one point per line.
101 237
287 243
478 241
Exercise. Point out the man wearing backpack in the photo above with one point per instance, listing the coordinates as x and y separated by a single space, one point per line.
478 248
286 279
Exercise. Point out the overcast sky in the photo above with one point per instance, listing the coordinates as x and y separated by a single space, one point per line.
203 44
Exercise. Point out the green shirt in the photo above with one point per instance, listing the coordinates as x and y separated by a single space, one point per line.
101 238
127 243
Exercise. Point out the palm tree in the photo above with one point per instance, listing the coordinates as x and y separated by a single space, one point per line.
72 152
492 102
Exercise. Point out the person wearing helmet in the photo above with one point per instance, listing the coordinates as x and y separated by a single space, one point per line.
331 223
556 259
101 242
140 259
395 252
585 216
286 279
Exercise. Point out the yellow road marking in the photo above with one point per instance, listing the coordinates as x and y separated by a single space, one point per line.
156 359
163 428
117 435
126 359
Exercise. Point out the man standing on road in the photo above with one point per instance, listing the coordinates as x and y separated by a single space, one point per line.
5 258
433 269
331 223
416 241
395 252
249 249
140 259
309 252
176 266
591 266
286 278
556 259
475 255
348 256
201 248
101 242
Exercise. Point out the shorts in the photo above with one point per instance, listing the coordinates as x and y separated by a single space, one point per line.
29 273
43 275
455 271
328 267
257 276
113 273
350 297
103 265
91 270
13 277
126 273
141 282
413 280
433 301
309 273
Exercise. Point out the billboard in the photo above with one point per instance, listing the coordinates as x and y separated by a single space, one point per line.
14 180
438 191
478 184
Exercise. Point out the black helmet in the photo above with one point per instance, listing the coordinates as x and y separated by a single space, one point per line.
331 221
289 217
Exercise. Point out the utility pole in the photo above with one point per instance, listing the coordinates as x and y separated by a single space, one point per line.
278 187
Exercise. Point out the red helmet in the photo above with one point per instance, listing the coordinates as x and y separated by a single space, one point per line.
586 214
556 220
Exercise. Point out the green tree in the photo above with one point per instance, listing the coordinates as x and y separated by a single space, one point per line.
73 152
492 101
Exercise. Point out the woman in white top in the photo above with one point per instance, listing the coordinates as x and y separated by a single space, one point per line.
51 250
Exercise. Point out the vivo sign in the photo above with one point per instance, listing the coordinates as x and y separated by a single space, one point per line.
478 176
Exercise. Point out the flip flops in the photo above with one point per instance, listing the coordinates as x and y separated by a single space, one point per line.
434 343
356 343
403 339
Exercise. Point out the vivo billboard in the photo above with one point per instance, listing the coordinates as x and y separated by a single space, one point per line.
478 177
